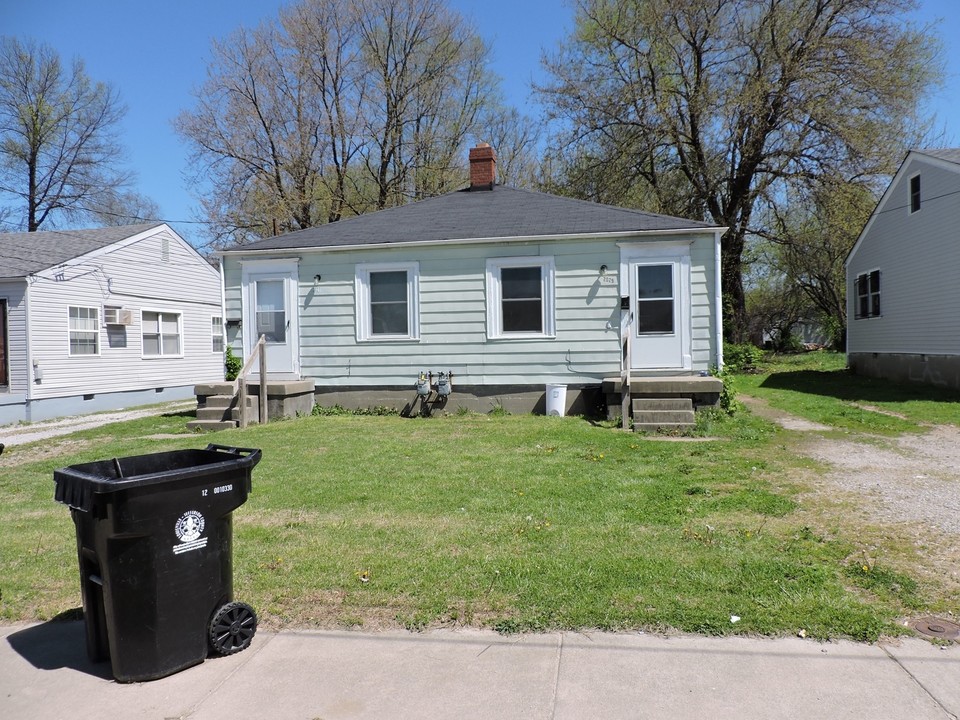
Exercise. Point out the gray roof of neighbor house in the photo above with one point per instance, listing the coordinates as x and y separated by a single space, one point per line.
948 154
502 212
22 254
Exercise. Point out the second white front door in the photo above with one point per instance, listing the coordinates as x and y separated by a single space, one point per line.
270 310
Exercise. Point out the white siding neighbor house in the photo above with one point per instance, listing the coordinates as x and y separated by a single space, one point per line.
491 292
903 298
101 319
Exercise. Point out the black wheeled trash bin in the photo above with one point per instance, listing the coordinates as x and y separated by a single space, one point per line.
154 539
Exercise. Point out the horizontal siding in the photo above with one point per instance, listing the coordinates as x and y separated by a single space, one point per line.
454 321
918 256
159 272
15 295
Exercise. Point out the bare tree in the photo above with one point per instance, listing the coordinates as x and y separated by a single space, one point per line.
257 133
59 154
714 108
428 86
125 208
335 108
516 138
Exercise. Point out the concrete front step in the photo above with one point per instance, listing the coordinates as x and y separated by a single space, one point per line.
656 427
216 413
653 414
662 404
220 412
665 417
211 425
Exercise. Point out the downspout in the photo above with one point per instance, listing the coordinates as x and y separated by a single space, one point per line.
29 343
223 313
718 298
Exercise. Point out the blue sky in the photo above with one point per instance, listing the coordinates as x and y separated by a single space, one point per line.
155 53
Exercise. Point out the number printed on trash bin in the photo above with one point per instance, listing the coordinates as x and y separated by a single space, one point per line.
222 489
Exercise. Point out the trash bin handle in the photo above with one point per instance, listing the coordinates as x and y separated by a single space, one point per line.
230 449
252 454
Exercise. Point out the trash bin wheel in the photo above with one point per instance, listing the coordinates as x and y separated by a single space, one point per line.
232 628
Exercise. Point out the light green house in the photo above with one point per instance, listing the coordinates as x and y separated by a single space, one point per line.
504 291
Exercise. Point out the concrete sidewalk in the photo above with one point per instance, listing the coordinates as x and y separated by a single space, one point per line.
309 675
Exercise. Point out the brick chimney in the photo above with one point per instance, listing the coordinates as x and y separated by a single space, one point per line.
483 167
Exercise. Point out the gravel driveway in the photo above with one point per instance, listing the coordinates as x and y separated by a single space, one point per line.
11 435
908 486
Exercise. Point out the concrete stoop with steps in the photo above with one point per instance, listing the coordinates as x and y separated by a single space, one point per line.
218 403
654 414
663 403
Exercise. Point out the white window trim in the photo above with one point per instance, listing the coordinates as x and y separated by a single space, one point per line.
162 356
363 317
223 335
494 297
870 315
70 352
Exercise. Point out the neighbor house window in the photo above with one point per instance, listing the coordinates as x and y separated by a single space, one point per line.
84 331
520 297
161 334
914 193
388 301
868 294
216 333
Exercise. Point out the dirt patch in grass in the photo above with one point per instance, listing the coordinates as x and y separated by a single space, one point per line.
785 420
16 456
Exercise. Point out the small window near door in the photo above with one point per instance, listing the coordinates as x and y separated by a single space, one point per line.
161 334
388 301
84 331
868 295
216 333
655 300
914 194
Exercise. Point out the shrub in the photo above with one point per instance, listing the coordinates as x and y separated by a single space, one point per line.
741 358
231 364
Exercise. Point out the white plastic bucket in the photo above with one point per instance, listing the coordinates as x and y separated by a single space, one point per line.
556 399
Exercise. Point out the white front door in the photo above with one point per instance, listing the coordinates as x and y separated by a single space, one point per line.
659 289
270 310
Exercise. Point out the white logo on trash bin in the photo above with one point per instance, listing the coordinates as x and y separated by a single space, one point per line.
189 528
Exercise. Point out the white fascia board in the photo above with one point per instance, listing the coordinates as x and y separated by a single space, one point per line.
474 241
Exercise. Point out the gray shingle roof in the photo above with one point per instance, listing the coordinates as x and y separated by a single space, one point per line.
503 212
948 154
22 254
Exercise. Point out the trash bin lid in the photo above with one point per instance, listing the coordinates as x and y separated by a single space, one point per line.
81 486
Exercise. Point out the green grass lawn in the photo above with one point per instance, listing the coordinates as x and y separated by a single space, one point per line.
818 386
511 522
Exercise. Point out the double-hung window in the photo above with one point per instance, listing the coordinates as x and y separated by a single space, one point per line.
84 331
868 294
521 298
161 334
216 333
388 301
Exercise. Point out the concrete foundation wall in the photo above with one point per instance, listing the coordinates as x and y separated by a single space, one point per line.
581 400
937 370
286 399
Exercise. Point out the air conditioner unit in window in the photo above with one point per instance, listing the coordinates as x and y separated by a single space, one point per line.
117 316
